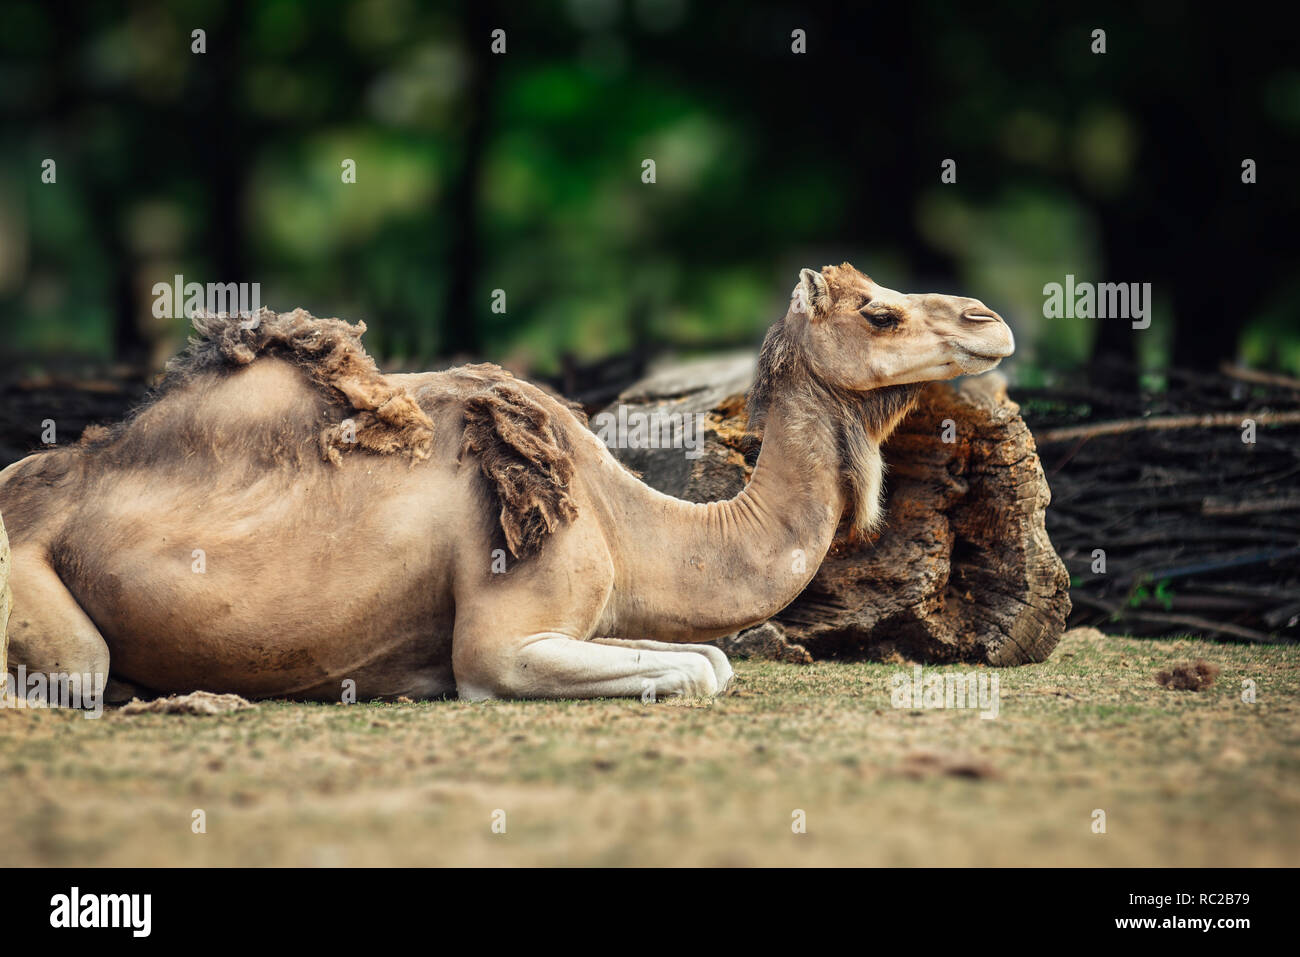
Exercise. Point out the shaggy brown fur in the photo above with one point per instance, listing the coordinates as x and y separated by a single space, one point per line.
841 277
523 454
1189 676
860 420
329 351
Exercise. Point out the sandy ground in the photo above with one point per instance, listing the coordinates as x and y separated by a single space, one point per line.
1184 778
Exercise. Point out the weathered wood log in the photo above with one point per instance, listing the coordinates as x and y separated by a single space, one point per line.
767 641
962 569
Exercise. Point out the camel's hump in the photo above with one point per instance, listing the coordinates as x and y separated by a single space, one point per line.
512 429
329 352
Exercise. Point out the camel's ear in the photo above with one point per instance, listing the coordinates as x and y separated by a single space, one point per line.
812 295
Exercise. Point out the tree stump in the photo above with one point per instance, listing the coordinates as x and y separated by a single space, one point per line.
961 570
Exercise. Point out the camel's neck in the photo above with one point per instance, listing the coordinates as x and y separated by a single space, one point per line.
704 570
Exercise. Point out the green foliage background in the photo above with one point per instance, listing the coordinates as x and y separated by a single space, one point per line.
523 172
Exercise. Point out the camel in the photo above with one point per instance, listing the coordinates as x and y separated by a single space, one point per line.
280 518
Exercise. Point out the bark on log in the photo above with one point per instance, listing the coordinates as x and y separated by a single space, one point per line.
962 569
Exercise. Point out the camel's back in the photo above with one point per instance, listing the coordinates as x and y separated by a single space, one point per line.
221 431
282 507
226 439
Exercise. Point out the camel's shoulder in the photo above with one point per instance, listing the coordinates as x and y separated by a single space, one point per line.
522 438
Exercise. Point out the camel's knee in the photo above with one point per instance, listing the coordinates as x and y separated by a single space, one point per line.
48 632
477 670
484 674
39 651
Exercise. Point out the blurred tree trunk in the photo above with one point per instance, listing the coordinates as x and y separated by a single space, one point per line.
898 140
224 171
459 330
1169 228
1114 359
1206 326
104 196
1231 265
915 138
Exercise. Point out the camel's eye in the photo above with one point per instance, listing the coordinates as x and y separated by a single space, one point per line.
880 320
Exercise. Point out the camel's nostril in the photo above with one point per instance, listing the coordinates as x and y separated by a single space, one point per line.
982 317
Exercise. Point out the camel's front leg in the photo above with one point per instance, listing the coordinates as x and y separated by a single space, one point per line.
50 634
549 665
519 635
717 657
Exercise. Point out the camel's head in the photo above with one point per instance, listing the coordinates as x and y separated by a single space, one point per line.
861 336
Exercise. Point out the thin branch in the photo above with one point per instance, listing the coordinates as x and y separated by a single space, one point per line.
1209 626
1212 506
1218 419
1262 378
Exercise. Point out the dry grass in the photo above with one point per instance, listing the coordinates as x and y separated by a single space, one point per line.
1185 778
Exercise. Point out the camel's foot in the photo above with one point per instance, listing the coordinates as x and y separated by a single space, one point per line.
718 660
557 666
119 691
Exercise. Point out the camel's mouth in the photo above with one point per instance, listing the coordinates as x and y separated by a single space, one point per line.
972 362
992 348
